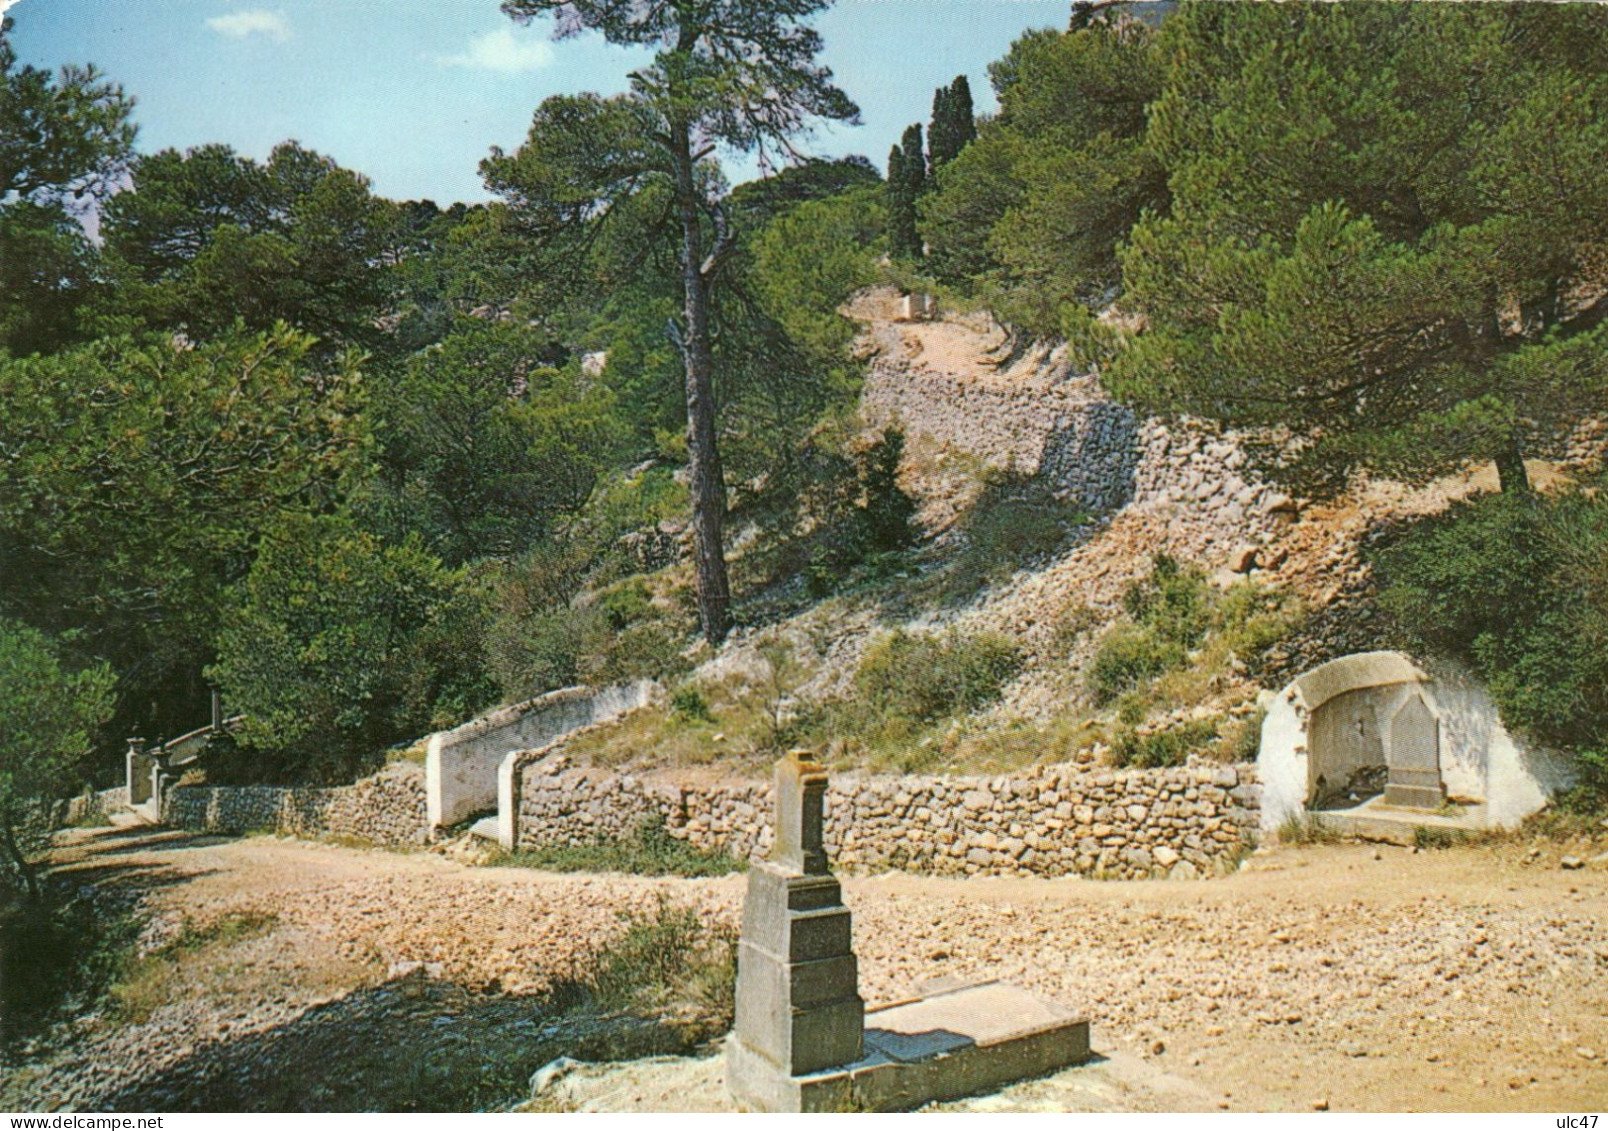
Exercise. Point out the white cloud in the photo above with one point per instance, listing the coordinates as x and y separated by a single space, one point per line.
239 25
500 51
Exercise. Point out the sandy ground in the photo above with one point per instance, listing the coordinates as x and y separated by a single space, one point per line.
1356 977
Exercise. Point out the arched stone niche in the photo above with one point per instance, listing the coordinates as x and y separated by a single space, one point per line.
1376 723
1351 704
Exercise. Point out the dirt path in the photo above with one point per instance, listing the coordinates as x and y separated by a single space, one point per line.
1467 979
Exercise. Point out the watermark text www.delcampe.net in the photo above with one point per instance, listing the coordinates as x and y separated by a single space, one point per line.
88 1122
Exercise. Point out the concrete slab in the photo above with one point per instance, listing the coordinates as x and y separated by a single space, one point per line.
1377 819
956 1043
1110 1081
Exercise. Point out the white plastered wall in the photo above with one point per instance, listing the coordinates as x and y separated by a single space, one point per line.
461 765
1480 760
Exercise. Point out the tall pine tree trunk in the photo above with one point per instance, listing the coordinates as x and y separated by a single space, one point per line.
708 485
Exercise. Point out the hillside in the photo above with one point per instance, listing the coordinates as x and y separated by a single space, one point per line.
1042 502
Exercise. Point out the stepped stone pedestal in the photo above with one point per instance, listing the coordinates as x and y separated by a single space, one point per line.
804 1041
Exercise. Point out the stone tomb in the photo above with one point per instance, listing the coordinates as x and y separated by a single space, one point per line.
804 1040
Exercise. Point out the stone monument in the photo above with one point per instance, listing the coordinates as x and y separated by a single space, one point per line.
798 1002
804 1040
1413 758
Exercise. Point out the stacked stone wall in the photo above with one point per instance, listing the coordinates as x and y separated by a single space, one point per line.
1193 820
1089 449
386 809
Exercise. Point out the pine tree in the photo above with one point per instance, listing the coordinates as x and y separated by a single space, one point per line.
740 74
1407 267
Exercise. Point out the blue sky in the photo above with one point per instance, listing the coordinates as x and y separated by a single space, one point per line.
414 93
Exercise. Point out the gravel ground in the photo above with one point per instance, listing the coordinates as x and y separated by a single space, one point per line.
1354 977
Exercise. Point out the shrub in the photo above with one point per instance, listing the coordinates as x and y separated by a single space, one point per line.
1243 742
1175 619
1168 747
646 650
888 513
538 650
690 704
625 603
48 717
1516 588
1128 656
670 965
926 677
865 519
338 646
1174 603
57 955
650 850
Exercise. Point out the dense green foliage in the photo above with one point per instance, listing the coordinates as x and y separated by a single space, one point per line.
371 465
1383 260
741 75
1175 619
204 480
1517 588
64 142
205 238
485 450
1374 224
136 478
338 645
48 717
1029 216
58 956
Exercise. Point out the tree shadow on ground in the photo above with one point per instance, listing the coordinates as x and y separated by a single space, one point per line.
1016 522
410 1044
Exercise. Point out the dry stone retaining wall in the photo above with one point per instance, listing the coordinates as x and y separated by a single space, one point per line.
386 809
91 804
1089 448
1184 821
41 819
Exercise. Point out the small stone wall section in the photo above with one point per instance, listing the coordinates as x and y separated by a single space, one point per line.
91 805
40 819
386 809
1183 821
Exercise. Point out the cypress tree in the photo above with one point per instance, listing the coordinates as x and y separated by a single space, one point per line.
962 112
907 179
953 127
900 207
940 139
